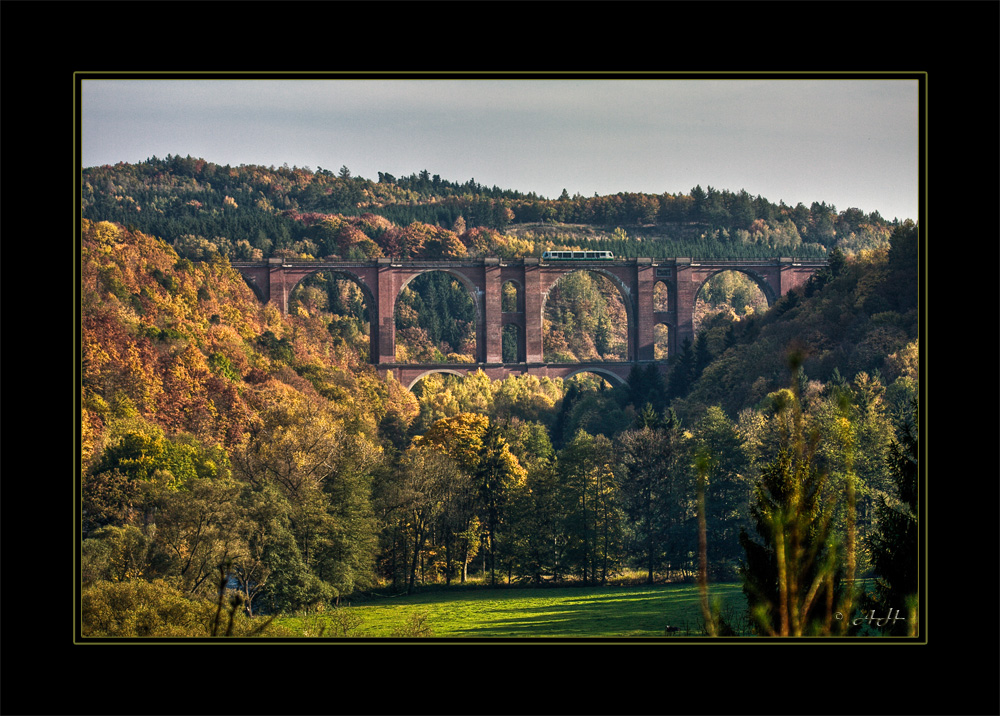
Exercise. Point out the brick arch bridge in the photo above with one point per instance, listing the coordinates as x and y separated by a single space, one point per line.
381 281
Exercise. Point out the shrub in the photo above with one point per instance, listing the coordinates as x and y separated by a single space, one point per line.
138 608
416 626
141 609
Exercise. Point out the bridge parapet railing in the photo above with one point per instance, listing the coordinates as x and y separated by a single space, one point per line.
762 262
305 263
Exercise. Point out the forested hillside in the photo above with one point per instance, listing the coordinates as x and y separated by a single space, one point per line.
249 212
216 431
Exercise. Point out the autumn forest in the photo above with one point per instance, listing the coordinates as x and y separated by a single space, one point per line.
228 448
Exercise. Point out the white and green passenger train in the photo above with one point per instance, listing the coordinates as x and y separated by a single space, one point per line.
578 255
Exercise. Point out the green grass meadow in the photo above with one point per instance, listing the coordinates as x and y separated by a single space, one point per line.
552 612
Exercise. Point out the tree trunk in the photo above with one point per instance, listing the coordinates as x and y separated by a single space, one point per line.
649 536
418 545
447 558
703 558
493 562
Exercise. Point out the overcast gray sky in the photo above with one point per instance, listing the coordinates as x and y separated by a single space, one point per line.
851 143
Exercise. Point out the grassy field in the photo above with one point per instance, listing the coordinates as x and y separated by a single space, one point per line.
559 613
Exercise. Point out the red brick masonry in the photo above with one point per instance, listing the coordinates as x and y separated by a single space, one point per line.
382 280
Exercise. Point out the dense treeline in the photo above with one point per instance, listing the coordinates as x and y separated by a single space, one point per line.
216 431
250 212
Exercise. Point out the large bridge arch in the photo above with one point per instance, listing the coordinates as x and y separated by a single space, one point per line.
475 292
764 283
626 293
368 296
775 277
371 303
472 288
555 277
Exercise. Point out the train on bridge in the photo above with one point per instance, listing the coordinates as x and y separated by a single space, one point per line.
578 256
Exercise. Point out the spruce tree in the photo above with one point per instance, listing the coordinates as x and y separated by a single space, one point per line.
702 356
680 377
647 418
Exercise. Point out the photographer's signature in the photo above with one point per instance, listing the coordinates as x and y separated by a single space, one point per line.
872 619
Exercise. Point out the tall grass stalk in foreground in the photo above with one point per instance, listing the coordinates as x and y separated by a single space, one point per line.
235 602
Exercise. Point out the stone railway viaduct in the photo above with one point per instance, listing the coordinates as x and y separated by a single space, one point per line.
381 281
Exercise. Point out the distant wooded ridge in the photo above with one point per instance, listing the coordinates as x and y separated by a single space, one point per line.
251 212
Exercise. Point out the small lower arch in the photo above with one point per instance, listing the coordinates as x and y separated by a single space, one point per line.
613 377
459 373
